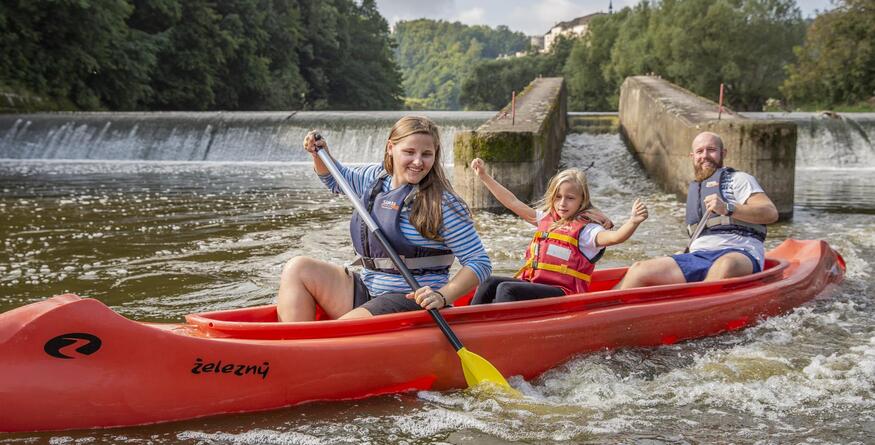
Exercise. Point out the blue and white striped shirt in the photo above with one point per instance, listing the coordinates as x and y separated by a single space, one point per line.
457 230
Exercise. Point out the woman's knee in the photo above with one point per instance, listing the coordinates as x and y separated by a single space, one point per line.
298 266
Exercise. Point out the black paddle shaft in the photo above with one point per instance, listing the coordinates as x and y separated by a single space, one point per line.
698 231
375 229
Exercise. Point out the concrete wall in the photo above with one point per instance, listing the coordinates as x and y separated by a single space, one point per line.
659 121
522 155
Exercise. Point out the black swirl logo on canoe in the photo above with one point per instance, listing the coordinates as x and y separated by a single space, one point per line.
60 346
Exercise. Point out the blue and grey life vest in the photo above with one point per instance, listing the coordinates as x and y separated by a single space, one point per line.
385 208
717 223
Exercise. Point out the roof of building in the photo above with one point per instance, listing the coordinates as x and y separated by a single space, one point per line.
578 21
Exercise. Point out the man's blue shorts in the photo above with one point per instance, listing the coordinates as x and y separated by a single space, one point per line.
695 265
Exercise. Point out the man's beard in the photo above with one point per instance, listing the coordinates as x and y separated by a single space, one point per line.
705 172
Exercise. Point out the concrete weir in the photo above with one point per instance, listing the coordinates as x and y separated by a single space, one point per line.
521 153
659 121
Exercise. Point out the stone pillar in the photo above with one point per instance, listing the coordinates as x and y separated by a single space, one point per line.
522 155
659 121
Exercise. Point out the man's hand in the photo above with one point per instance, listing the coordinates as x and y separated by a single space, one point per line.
713 203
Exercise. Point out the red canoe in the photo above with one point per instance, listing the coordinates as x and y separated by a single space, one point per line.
69 362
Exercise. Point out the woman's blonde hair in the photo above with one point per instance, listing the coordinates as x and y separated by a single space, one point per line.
574 176
426 212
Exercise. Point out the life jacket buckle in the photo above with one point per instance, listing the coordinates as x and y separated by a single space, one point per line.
368 263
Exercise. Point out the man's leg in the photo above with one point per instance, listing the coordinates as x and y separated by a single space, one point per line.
653 272
733 264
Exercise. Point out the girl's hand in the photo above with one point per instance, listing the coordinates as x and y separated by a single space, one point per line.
479 167
310 142
427 298
639 212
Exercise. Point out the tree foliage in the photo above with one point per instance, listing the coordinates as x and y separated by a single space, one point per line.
435 55
76 51
836 64
742 43
200 54
589 70
491 83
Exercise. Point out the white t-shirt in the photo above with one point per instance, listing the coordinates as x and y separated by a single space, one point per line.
586 242
737 190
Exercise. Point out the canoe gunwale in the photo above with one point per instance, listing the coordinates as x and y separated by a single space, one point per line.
218 325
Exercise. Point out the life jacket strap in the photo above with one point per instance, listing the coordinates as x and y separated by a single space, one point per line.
426 262
558 268
556 236
721 220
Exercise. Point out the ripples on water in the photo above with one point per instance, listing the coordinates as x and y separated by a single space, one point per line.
160 240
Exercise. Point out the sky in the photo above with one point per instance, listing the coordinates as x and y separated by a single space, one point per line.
528 16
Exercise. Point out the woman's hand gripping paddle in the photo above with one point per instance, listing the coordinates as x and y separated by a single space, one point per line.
476 369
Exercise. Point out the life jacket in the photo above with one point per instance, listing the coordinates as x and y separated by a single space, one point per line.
554 258
717 223
387 215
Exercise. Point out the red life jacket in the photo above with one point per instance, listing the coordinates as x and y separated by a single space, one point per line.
558 260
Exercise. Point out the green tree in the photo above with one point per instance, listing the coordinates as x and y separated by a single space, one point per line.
836 64
80 54
287 87
192 59
368 78
589 70
491 83
698 45
200 54
435 57
744 44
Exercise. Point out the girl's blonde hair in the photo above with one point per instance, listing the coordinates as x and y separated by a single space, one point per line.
425 214
576 177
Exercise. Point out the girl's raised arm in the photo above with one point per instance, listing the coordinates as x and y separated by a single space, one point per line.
503 195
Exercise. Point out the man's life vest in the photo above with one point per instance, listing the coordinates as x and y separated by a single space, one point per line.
387 214
554 258
716 223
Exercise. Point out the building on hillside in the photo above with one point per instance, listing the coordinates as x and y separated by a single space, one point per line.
572 28
537 42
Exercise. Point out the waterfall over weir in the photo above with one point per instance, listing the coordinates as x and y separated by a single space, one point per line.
353 137
839 140
845 140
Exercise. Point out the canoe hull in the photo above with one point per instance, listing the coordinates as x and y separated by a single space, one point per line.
72 363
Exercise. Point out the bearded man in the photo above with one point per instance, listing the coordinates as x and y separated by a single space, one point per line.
731 243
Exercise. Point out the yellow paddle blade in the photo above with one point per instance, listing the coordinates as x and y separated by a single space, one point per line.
477 370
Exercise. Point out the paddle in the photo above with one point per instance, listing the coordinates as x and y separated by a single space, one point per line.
699 229
476 369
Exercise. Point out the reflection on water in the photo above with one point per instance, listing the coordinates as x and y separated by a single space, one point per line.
159 240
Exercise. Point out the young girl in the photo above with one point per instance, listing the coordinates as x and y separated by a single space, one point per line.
567 244
409 197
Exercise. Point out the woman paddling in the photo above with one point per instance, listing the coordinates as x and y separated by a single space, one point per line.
570 239
424 220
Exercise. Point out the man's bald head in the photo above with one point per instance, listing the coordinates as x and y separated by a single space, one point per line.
707 138
707 154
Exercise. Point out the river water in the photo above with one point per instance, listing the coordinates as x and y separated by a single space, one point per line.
156 240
